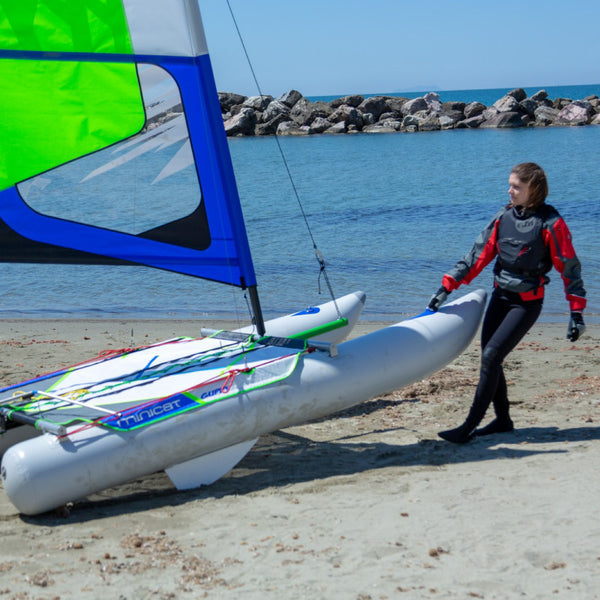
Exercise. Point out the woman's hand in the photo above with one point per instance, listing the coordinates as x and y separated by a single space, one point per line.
438 299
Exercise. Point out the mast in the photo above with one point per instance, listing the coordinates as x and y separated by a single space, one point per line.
257 315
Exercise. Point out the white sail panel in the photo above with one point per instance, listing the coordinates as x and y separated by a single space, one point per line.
160 28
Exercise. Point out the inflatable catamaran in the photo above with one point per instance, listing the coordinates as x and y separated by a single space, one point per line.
114 152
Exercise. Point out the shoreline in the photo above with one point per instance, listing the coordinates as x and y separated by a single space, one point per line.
366 503
59 343
366 323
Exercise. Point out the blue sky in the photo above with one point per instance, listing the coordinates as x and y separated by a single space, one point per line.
338 47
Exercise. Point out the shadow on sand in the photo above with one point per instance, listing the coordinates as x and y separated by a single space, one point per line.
281 458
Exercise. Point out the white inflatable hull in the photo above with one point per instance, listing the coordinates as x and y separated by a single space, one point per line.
44 473
347 307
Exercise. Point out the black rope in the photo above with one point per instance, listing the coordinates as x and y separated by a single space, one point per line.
318 254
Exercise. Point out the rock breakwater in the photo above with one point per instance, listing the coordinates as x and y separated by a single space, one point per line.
293 114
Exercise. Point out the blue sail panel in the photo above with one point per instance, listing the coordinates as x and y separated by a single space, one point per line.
162 195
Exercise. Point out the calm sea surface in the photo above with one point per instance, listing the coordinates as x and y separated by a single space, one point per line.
390 213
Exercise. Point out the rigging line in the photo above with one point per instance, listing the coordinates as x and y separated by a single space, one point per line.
318 254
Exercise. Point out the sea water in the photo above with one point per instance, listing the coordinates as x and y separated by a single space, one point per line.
489 95
389 212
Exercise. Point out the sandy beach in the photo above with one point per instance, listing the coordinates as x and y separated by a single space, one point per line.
367 504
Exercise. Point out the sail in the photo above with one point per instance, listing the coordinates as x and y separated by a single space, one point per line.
112 147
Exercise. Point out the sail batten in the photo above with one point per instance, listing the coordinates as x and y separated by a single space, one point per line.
112 147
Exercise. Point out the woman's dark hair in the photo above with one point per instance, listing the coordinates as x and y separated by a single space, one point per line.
534 177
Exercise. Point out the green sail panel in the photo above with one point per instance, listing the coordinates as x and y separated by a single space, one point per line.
70 109
56 111
64 26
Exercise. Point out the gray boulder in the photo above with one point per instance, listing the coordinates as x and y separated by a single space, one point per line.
413 106
454 115
376 105
319 125
453 105
305 112
490 113
290 128
353 100
382 127
390 124
518 94
507 104
473 109
410 123
503 120
258 103
560 103
540 96
395 103
545 115
227 100
393 114
290 98
377 128
427 121
337 128
270 127
274 109
471 122
446 121
241 124
574 113
368 119
433 102
594 102
347 115
528 106
302 113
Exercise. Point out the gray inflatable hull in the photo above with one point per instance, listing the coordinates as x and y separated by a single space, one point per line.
43 473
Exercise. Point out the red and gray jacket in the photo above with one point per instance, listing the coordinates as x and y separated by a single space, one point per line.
526 245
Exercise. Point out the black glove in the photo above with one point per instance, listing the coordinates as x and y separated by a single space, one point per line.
576 327
438 299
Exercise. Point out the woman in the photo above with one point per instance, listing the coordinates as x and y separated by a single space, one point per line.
527 237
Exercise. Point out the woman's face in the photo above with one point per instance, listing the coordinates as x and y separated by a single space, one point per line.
518 191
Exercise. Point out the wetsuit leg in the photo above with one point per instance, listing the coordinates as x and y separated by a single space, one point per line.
496 313
507 320
500 399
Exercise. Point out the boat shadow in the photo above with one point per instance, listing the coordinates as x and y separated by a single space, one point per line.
291 459
282 459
